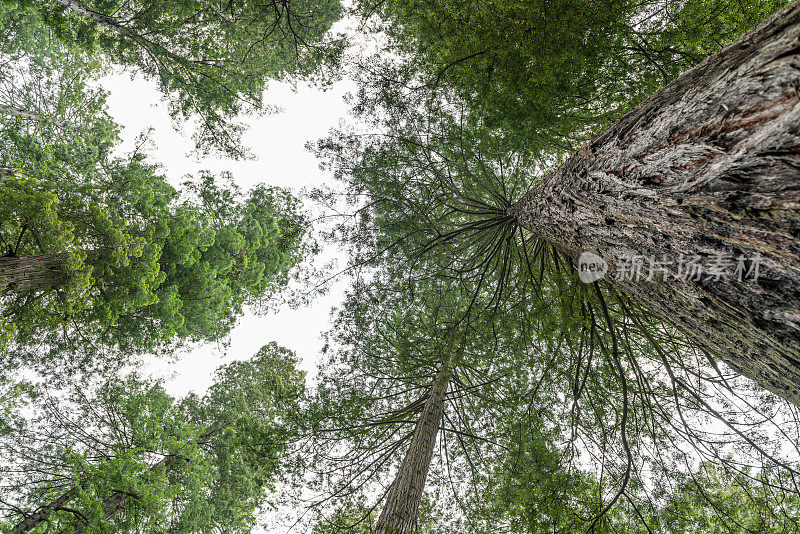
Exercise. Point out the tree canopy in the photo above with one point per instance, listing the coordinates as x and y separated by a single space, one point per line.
212 60
471 380
101 250
122 454
549 74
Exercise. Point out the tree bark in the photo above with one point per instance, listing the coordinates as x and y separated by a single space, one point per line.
709 166
399 514
91 14
20 113
30 272
41 515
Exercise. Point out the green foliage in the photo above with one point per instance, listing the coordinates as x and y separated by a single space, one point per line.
211 59
534 495
548 74
566 405
132 265
194 465
715 500
137 267
569 404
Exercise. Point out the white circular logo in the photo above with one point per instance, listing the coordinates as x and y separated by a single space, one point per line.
591 267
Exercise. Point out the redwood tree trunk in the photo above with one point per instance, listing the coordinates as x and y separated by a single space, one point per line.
399 514
709 166
30 272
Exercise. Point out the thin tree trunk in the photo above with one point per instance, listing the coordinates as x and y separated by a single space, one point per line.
113 504
91 14
708 166
41 515
30 272
399 514
119 501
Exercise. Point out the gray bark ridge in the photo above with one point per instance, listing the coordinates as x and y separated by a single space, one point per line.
26 273
399 514
709 165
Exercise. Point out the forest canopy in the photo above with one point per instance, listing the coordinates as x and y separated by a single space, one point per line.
479 374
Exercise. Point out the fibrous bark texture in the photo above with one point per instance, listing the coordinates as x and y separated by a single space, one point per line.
709 166
30 272
399 514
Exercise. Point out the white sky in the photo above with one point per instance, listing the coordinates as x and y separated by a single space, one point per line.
278 143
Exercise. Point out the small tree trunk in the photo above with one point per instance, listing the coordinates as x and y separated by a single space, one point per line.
95 16
113 504
30 272
41 515
399 514
709 166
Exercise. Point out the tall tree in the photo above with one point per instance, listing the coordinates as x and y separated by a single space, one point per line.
405 494
127 456
558 414
408 363
707 166
212 59
99 249
119 261
436 200
718 190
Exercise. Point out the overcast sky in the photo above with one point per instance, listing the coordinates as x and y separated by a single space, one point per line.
278 144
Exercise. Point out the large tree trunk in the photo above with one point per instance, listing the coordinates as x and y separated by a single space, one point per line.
399 514
709 166
30 272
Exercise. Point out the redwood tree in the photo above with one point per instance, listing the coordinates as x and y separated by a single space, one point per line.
704 170
442 194
706 166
